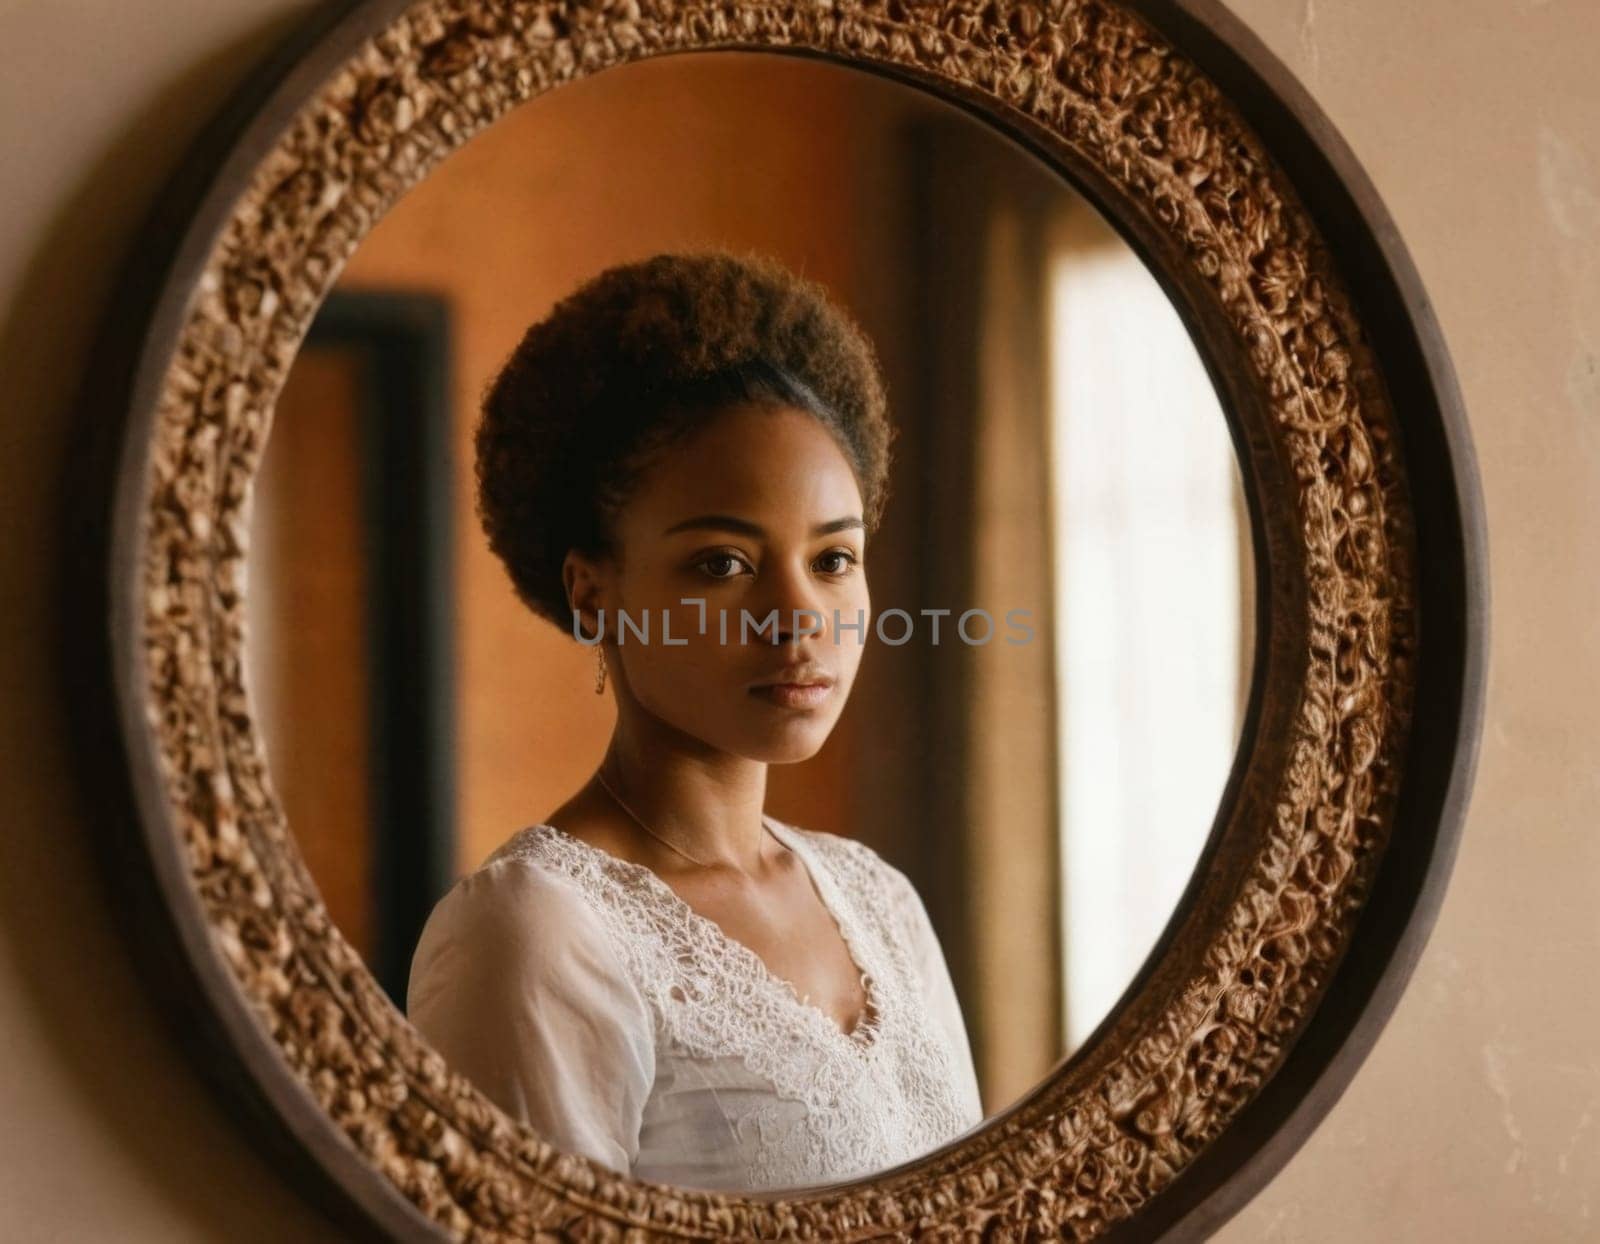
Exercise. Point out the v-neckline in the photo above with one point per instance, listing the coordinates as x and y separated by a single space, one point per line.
863 1034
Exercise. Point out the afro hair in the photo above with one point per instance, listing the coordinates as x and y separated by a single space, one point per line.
638 356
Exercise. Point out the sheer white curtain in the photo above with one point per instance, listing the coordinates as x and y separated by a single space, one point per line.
1150 608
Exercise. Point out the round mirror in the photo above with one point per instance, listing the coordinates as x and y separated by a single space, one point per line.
1053 876
1035 725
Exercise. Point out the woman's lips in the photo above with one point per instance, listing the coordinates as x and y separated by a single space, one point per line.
793 694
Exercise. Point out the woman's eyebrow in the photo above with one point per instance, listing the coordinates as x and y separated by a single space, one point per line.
726 522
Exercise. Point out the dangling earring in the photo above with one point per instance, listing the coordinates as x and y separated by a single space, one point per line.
600 671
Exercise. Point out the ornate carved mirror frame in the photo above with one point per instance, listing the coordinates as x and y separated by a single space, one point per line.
1330 850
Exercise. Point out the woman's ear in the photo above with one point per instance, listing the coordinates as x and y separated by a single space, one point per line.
584 581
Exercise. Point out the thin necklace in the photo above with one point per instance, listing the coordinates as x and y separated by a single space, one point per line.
601 778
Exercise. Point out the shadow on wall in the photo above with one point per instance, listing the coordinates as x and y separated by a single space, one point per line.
95 1086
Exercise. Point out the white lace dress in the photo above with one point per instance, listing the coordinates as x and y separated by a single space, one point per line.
584 997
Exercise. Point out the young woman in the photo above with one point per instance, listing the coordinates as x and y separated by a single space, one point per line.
686 459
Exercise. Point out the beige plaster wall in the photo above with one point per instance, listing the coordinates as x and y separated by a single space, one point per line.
1474 1118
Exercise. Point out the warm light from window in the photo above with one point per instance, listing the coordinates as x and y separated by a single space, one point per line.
1146 520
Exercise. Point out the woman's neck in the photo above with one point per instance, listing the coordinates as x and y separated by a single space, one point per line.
708 810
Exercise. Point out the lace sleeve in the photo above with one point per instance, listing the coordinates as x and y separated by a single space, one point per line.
515 982
938 989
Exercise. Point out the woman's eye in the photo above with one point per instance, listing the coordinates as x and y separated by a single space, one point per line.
716 560
846 555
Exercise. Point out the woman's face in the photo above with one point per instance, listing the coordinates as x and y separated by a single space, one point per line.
732 536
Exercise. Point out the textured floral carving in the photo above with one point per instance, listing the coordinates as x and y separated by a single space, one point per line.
1113 102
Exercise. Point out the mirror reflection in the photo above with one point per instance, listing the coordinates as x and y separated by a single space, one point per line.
740 336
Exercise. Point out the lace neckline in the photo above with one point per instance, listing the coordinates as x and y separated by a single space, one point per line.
862 1036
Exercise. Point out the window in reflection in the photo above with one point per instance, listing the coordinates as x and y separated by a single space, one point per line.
1152 607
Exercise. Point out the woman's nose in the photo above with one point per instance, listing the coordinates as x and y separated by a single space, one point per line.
801 606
